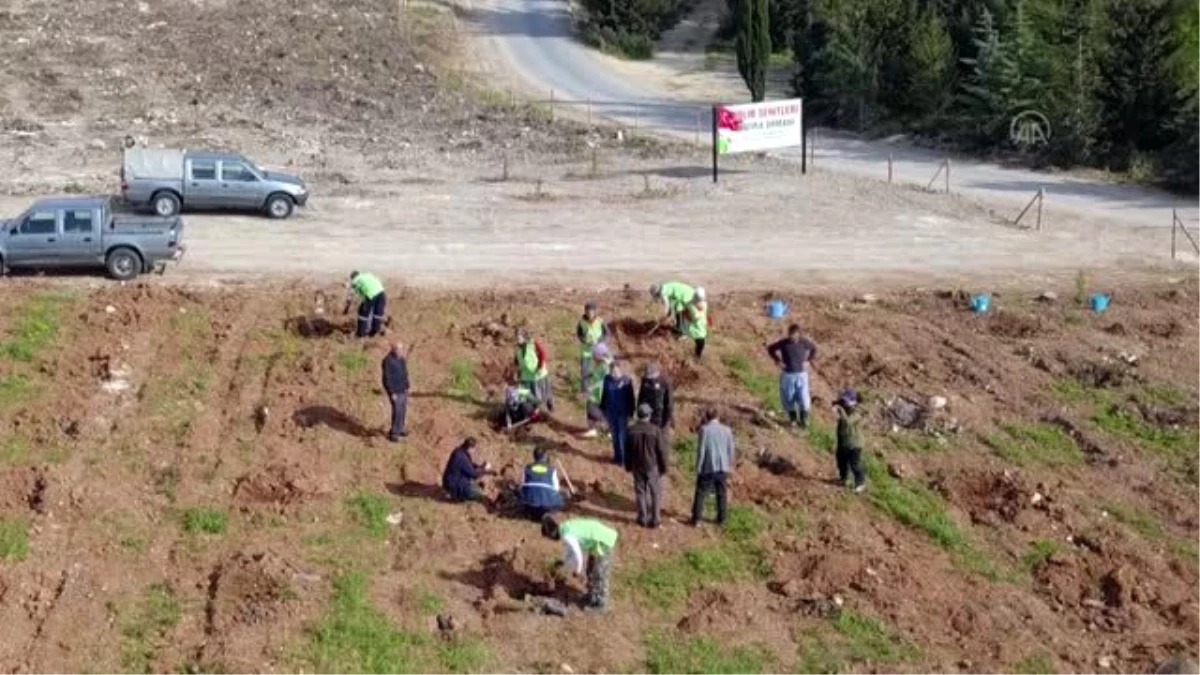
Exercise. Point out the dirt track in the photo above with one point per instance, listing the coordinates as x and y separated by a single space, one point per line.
179 399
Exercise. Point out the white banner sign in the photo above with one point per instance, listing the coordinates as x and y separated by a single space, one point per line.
751 127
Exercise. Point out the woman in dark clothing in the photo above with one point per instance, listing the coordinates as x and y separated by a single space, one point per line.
459 478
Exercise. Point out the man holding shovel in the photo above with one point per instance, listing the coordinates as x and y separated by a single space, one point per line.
675 297
372 306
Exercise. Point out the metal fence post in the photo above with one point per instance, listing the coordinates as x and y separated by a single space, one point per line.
1174 225
551 105
697 141
1041 198
948 182
889 168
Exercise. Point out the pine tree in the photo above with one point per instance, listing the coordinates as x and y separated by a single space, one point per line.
1139 79
992 93
847 69
752 44
932 61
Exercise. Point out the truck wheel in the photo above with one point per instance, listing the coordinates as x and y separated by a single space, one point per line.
279 206
123 264
165 204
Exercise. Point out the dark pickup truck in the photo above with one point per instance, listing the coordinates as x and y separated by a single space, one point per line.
83 232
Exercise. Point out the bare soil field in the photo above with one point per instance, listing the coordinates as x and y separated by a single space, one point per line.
196 480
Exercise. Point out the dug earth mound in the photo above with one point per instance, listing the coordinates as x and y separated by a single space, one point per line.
199 480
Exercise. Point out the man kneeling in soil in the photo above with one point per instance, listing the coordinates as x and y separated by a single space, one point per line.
459 478
585 537
539 489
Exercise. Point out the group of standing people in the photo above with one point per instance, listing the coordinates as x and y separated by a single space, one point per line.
638 419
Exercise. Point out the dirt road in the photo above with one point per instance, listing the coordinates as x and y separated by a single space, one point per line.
762 226
531 41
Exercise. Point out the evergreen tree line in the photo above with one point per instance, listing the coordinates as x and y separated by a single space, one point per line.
1115 79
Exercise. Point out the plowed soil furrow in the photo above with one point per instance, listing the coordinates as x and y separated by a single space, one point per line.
227 379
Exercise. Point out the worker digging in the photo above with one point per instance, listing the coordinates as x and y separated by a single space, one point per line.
372 306
675 297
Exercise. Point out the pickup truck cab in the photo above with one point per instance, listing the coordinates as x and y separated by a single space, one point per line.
169 181
83 232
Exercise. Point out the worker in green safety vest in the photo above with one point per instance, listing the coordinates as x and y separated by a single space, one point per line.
675 297
590 331
372 306
602 363
532 371
698 321
590 539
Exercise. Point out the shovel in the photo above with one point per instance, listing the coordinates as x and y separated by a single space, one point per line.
567 479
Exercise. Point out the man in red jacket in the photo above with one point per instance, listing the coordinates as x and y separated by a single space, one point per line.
532 370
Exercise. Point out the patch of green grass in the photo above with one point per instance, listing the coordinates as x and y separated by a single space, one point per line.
355 637
36 328
15 389
196 666
744 523
371 511
430 603
763 386
1138 520
1071 390
462 376
1035 664
821 437
925 511
131 542
1164 395
145 630
463 655
685 455
672 653
668 582
205 521
797 521
1176 446
1036 444
1039 552
14 450
848 638
352 360
14 539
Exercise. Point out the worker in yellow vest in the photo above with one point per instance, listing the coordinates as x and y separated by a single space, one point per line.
590 331
675 297
590 539
532 371
698 321
372 306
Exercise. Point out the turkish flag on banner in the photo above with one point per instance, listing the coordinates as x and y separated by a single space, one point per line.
728 119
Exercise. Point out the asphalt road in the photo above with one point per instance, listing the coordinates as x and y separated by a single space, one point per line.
533 41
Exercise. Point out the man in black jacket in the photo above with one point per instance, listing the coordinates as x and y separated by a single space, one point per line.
395 383
656 392
646 458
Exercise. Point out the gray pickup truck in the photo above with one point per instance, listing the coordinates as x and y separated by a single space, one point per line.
168 181
83 232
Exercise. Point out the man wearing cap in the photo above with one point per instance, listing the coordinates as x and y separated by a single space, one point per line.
539 490
792 354
532 372
647 460
590 331
656 393
849 442
372 306
601 363
697 321
675 296
617 402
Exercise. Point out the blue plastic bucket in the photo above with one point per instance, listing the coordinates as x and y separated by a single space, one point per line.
776 309
980 302
1100 302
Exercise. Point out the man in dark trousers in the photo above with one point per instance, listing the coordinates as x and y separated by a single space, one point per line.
617 403
646 459
714 463
372 306
460 477
656 392
395 383
792 354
